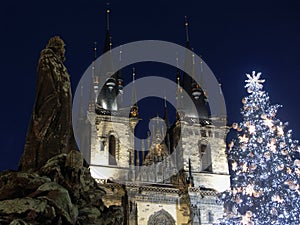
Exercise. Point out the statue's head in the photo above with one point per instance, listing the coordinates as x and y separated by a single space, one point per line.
57 45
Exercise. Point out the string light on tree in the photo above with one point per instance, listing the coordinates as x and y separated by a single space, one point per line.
250 189
265 173
244 138
272 146
268 122
251 129
234 166
280 131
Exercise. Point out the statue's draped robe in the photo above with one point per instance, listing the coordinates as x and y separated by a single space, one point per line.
50 131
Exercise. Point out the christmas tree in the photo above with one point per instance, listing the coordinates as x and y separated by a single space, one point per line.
265 173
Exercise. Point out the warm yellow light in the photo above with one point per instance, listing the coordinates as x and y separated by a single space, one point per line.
277 198
267 155
297 162
244 139
234 166
280 131
245 167
245 219
272 146
268 122
250 190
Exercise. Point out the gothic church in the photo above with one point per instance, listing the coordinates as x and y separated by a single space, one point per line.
182 185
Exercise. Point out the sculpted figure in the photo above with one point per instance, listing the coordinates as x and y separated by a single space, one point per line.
50 130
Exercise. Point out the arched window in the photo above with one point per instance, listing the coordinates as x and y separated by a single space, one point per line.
205 153
112 150
196 215
210 217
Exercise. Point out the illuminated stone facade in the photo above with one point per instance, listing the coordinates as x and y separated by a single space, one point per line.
184 197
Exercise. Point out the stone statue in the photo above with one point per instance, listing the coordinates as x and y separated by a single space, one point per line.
50 131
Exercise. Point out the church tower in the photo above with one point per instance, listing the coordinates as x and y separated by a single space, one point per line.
111 132
202 146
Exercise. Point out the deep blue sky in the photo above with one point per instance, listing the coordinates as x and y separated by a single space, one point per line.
233 37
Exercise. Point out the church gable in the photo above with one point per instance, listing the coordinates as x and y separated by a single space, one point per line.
161 217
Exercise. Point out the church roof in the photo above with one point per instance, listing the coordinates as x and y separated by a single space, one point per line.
192 88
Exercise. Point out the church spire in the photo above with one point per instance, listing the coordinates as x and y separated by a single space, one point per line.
108 41
95 51
134 107
94 83
157 129
191 86
119 76
196 91
134 100
107 18
95 76
166 115
108 61
178 89
188 61
107 98
167 122
186 24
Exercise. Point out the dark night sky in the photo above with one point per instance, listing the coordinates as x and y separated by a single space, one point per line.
233 37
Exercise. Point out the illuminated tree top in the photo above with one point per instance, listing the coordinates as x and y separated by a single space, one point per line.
254 83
